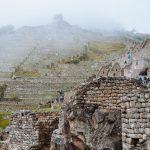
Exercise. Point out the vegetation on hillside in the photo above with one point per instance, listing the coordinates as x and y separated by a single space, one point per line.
2 90
96 51
3 121
102 50
49 108
20 72
14 97
76 58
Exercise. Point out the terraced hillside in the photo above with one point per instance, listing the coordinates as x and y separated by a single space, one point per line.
43 69
38 88
41 74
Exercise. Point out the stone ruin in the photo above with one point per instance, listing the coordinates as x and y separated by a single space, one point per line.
107 113
111 70
131 70
31 131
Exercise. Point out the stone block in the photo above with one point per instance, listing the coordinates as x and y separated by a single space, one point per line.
147 131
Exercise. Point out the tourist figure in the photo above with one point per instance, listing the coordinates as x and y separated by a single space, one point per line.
129 55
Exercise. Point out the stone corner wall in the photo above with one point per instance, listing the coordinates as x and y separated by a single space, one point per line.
107 95
136 120
31 131
107 92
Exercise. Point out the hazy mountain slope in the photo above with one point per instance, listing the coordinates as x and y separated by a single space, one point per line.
59 37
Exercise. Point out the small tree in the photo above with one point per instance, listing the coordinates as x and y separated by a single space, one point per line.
2 90
15 97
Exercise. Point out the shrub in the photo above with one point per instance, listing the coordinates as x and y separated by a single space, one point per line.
76 58
2 90
15 97
20 72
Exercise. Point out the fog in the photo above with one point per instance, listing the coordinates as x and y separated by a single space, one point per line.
93 14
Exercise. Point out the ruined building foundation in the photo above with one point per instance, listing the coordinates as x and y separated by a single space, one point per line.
32 131
107 113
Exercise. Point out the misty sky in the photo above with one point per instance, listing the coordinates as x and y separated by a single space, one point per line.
86 13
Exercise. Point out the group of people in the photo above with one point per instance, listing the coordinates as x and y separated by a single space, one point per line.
145 81
60 96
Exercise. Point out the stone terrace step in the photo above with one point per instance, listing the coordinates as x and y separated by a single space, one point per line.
38 87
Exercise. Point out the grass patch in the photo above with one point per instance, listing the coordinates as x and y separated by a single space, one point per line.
55 107
14 97
20 72
97 51
3 122
102 50
3 113
76 59
2 90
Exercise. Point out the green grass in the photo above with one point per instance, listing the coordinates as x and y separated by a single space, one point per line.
102 47
57 108
2 113
19 72
76 59
102 50
3 123
97 51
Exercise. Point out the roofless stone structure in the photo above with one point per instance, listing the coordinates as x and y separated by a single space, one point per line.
107 113
31 131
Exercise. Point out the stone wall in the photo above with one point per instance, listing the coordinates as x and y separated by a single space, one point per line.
103 72
148 72
87 128
111 70
103 110
31 131
136 120
115 71
106 92
40 88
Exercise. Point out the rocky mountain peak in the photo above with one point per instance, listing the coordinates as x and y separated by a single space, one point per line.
58 20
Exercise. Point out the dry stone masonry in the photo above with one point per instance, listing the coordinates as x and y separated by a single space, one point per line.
32 131
107 113
136 120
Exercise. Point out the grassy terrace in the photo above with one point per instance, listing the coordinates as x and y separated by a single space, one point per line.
19 72
102 50
16 107
98 51
2 113
3 121
54 107
35 108
34 99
